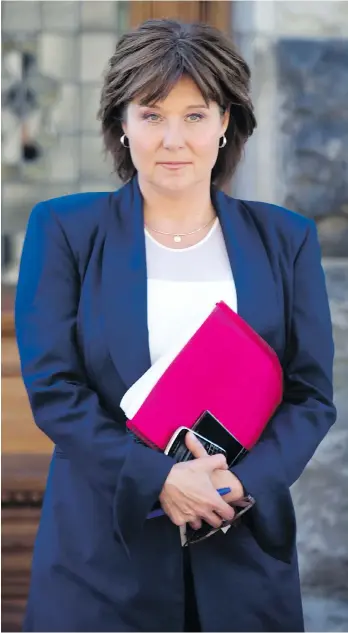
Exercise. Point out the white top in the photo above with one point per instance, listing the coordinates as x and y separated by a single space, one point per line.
183 287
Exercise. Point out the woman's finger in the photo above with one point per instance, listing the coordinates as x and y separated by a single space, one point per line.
194 446
223 509
210 463
213 519
196 524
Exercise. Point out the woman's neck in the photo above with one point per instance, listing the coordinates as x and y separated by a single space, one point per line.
179 212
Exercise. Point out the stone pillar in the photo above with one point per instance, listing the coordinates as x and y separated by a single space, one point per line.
298 52
298 158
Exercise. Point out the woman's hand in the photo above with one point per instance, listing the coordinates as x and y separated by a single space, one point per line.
220 478
189 495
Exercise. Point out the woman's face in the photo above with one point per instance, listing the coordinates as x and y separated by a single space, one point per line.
174 145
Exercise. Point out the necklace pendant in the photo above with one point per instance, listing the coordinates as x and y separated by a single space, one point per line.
177 238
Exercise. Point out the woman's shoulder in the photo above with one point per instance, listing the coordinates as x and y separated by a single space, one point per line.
78 216
74 219
73 207
277 223
272 214
277 214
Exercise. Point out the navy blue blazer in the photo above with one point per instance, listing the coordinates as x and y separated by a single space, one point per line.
81 322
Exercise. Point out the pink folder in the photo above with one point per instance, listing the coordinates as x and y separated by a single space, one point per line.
225 368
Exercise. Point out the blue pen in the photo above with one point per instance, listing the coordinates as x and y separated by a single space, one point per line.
223 491
160 512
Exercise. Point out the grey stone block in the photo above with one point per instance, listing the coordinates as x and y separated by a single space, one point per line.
312 78
320 495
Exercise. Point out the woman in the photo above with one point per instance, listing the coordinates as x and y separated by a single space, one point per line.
107 283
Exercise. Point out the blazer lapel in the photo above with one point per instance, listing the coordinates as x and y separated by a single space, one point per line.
124 284
124 277
255 285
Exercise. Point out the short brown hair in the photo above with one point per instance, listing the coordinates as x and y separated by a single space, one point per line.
147 63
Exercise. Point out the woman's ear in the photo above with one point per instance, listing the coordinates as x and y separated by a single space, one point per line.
124 122
225 119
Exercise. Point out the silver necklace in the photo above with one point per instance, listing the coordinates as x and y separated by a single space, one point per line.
177 237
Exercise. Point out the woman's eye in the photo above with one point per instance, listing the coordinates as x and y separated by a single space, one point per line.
195 117
153 118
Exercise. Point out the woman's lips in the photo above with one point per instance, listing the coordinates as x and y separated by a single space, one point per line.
173 165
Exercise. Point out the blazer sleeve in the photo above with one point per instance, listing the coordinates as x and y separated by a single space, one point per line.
306 414
64 406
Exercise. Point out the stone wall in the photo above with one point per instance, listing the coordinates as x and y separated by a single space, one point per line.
320 495
53 57
312 79
298 52
298 157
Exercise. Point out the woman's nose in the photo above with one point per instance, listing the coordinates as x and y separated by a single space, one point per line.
173 137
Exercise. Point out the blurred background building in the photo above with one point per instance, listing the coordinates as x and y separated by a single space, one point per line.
53 57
